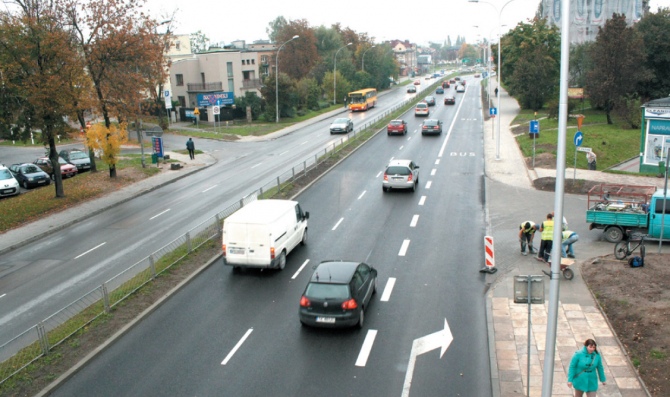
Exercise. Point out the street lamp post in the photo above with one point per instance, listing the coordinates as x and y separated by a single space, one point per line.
498 71
335 73
277 77
363 62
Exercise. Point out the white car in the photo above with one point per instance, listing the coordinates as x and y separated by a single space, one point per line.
9 186
401 174
421 109
460 88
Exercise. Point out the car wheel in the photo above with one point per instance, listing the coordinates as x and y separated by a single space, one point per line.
385 189
25 185
361 318
282 260
388 133
331 132
374 286
414 186
304 238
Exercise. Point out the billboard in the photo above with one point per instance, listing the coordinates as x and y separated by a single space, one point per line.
216 98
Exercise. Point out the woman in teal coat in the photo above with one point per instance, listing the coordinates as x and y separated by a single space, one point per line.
586 367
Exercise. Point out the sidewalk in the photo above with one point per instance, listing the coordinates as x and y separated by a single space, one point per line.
512 200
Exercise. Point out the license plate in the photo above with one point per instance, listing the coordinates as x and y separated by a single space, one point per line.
327 320
236 251
7 191
42 181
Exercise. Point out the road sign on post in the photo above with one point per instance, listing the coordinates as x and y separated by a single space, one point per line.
579 137
493 112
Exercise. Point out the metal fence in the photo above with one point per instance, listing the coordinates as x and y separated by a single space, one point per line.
38 340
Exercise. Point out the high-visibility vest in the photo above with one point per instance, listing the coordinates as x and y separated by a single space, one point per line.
548 230
529 231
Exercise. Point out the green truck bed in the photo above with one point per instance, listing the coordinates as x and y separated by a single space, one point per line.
628 219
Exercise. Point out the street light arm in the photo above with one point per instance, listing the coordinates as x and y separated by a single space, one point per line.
335 72
277 77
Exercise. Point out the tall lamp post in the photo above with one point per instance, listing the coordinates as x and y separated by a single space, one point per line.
335 73
277 77
364 52
498 71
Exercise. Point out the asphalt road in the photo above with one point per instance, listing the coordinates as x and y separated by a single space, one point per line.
237 333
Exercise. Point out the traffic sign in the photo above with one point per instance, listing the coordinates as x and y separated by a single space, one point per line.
196 112
493 111
166 93
215 110
579 137
534 127
584 149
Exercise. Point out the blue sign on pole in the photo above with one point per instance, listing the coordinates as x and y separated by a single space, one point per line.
534 127
158 146
579 137
493 111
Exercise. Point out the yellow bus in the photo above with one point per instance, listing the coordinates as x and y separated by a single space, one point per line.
362 99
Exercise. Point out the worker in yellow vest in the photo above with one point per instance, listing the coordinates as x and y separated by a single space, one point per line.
546 238
526 233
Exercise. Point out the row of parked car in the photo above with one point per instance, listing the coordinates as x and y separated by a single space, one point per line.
41 172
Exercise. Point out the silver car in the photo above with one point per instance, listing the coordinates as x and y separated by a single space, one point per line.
342 125
401 174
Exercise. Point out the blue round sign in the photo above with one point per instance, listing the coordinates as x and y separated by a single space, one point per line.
579 137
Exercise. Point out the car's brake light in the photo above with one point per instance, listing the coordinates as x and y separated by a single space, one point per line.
386 177
272 252
304 302
350 304
223 247
409 178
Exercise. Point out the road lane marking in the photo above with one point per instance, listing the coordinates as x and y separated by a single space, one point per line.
362 194
403 248
380 172
304 143
209 188
433 171
386 295
437 161
283 153
415 220
94 248
3 295
237 346
159 214
428 184
451 128
423 200
300 269
366 348
401 147
337 224
256 165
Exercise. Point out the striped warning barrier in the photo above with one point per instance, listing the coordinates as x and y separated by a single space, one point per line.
489 256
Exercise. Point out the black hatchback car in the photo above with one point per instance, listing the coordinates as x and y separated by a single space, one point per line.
338 294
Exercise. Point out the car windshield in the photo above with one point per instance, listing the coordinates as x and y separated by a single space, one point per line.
30 169
430 98
340 121
430 123
78 155
327 291
396 122
61 161
5 174
421 105
397 170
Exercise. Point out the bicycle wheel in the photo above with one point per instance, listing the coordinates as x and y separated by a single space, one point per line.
621 250
643 250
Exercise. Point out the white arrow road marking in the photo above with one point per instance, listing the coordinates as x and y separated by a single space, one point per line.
441 339
237 346
96 247
366 348
209 188
300 269
337 224
422 201
415 220
386 295
403 248
159 214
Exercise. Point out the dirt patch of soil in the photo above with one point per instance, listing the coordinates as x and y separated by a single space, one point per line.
636 302
578 186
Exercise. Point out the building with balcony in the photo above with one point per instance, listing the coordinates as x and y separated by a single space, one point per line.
405 55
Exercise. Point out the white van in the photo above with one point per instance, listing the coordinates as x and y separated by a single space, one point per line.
262 233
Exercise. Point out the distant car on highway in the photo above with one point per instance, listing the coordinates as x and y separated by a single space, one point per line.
430 100
342 125
417 82
411 89
460 88
401 174
439 90
431 126
449 100
398 126
421 109
29 175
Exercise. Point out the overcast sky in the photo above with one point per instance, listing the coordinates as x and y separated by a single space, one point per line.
419 22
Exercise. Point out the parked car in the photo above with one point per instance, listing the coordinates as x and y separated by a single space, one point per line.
449 100
430 100
77 158
66 169
398 126
411 89
9 186
341 125
439 90
401 174
29 175
431 126
421 109
337 294
460 88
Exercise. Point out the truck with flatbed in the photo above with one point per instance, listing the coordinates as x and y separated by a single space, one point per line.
616 208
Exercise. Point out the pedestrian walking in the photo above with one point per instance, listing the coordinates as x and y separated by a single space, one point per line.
591 160
546 237
569 237
586 367
345 101
496 91
190 146
526 233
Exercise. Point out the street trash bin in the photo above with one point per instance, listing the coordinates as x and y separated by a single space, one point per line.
661 168
154 158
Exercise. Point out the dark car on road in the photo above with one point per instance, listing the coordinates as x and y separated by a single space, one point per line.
449 100
411 89
29 175
439 90
430 100
398 126
431 126
77 158
445 84
338 294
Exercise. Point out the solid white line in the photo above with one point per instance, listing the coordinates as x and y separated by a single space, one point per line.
300 269
256 165
159 214
415 220
366 348
337 224
209 188
428 184
423 200
362 194
237 346
451 128
96 247
403 248
386 295
433 171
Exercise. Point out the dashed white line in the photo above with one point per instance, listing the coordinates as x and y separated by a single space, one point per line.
380 172
96 247
415 220
283 153
386 295
237 346
422 201
3 295
366 348
433 171
300 269
209 188
437 161
401 147
428 184
159 214
255 165
362 194
337 224
403 248
304 143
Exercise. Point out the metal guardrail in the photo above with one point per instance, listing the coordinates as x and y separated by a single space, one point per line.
40 339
